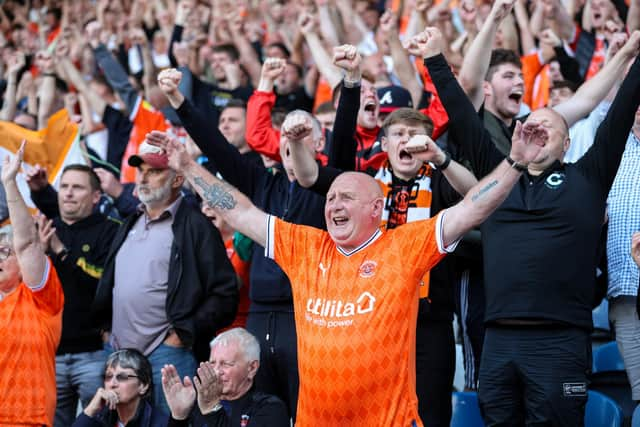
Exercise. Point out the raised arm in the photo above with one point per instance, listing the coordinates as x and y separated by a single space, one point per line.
402 65
343 144
74 77
476 61
248 55
493 189
633 16
466 129
233 206
26 242
16 63
259 131
603 158
205 133
594 90
47 89
319 53
114 73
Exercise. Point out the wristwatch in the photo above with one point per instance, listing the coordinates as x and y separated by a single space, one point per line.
517 166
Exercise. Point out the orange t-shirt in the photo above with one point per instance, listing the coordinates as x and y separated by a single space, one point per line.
355 317
30 327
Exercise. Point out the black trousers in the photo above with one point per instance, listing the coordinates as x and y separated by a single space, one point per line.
435 368
534 376
278 373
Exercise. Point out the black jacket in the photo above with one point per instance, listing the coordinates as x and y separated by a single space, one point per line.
146 416
255 408
270 288
202 286
88 242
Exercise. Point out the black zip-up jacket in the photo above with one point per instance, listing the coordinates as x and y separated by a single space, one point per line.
202 294
270 288
255 408
541 245
88 242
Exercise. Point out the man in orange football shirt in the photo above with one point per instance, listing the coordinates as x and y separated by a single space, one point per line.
355 287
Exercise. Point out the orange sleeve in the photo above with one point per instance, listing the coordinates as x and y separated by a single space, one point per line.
531 66
323 93
259 131
48 295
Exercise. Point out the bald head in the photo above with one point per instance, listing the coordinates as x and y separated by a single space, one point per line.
556 119
353 209
366 185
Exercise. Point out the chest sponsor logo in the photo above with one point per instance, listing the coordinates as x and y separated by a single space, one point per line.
555 180
338 313
574 389
367 269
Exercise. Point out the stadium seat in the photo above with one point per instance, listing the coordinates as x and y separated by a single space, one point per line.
602 411
601 325
466 411
635 419
606 358
610 378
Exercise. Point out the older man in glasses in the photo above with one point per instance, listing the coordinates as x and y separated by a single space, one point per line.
31 301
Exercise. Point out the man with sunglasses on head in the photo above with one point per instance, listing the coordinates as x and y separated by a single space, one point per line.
31 302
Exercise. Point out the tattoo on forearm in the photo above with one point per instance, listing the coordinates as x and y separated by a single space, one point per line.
484 190
216 195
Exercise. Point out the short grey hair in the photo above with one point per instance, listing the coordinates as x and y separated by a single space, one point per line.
247 343
130 358
316 132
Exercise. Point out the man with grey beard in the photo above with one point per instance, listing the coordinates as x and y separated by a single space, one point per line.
167 284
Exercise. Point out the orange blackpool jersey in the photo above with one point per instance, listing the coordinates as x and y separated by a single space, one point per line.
30 327
355 317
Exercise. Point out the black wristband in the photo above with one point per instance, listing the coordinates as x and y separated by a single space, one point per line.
445 164
60 256
517 166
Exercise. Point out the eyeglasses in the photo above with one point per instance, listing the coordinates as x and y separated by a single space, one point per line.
5 252
120 378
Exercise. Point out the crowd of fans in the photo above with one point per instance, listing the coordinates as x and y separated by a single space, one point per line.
161 282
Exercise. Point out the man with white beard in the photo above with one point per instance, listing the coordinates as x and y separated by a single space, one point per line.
167 284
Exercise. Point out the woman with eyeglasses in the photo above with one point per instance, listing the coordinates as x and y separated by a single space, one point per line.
125 398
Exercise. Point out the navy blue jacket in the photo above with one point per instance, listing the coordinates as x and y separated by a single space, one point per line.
273 193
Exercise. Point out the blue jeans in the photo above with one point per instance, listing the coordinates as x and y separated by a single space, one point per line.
78 376
181 358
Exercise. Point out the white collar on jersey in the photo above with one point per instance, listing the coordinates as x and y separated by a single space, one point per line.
366 243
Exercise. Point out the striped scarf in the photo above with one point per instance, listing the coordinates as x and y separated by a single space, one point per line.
405 201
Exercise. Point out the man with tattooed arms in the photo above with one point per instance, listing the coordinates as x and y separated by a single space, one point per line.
355 288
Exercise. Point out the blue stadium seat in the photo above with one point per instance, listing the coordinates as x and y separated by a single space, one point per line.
600 316
635 419
606 358
466 411
602 411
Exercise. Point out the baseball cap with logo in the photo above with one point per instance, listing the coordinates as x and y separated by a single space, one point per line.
394 97
154 156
